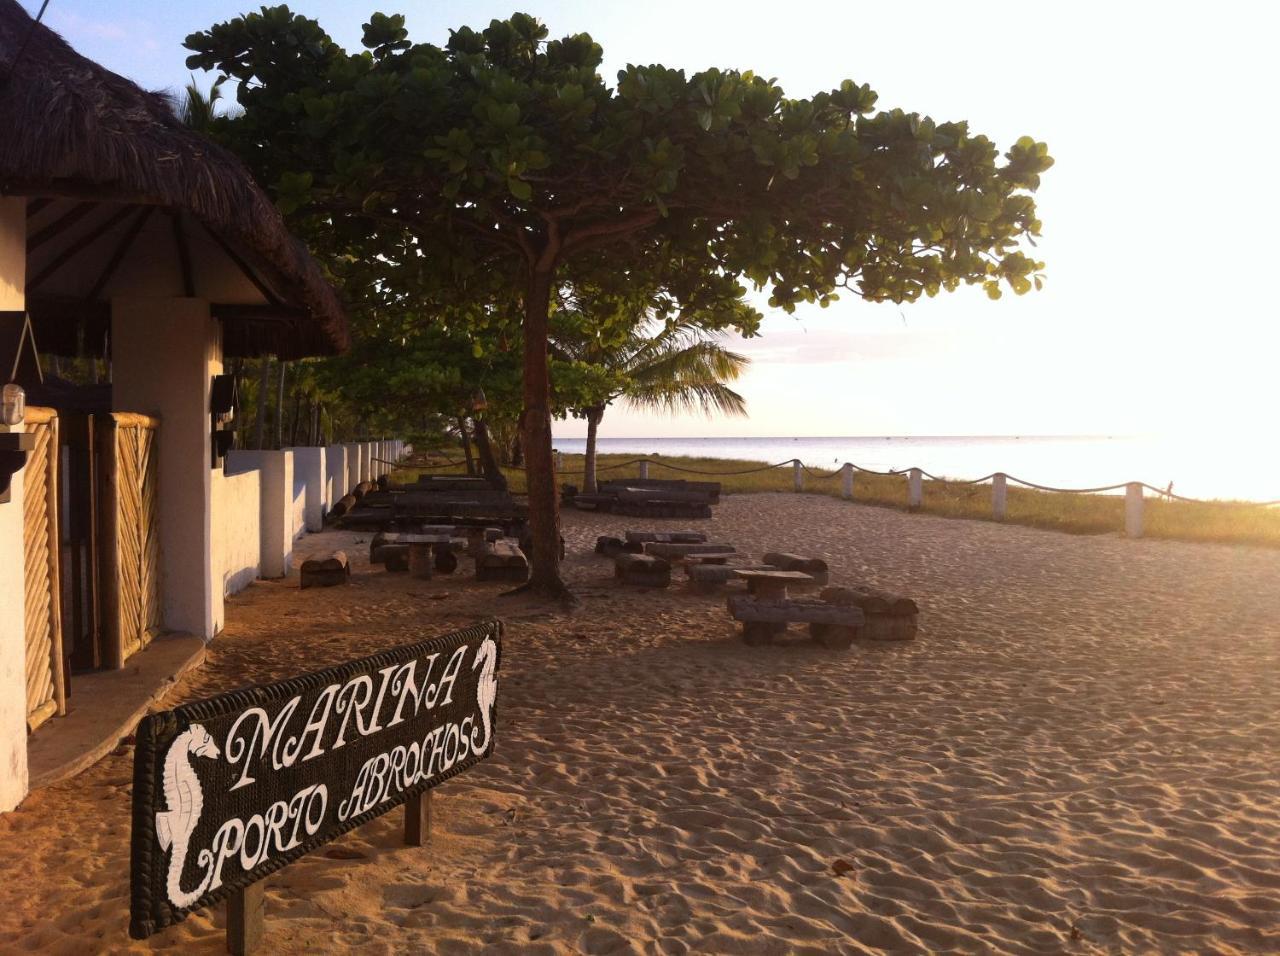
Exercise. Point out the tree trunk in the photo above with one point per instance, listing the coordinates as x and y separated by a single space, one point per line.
535 424
284 368
264 383
517 450
466 445
488 463
594 414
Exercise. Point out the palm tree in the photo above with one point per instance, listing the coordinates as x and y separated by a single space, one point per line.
682 368
196 110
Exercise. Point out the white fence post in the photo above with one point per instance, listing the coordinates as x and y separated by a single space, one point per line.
915 488
799 473
1133 510
644 469
846 474
999 496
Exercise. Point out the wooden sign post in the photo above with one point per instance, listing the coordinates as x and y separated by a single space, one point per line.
228 790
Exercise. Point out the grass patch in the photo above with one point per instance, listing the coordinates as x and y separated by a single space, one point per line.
1217 521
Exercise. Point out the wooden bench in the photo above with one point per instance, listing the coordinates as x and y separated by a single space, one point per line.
609 546
816 568
889 617
642 570
395 557
502 560
326 572
764 618
379 541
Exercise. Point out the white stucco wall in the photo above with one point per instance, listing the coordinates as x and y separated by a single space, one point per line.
276 505
309 467
298 504
353 466
13 652
165 352
237 537
335 466
13 648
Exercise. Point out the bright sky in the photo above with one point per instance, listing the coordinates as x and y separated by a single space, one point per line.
1157 314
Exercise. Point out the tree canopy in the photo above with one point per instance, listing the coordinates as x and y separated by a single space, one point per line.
504 156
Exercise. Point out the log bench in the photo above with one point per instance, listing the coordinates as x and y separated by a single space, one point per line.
379 541
642 570
502 560
609 546
326 572
395 557
816 568
765 618
889 617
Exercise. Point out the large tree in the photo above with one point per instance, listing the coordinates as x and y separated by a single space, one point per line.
506 152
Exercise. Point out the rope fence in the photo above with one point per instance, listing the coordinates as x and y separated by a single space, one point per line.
1134 491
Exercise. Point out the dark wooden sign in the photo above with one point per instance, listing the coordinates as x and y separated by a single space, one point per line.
228 790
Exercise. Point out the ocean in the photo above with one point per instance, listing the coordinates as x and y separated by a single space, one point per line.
1203 467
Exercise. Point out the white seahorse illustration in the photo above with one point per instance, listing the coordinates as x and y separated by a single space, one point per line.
185 801
486 690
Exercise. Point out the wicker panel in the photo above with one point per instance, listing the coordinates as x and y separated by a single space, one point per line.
45 691
133 536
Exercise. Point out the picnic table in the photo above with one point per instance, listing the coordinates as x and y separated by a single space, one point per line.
772 585
432 550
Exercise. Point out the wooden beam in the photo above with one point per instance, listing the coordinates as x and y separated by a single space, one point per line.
36 206
58 226
246 911
184 254
228 312
72 250
70 189
267 292
417 819
123 247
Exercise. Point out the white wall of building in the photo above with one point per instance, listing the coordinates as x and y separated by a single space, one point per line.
165 352
13 644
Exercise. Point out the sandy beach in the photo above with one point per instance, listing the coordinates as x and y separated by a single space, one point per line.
1078 754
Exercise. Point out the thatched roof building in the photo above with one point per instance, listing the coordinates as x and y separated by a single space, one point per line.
120 188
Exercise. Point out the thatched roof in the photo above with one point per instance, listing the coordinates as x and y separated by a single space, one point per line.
74 131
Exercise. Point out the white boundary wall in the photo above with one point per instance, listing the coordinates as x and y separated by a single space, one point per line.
310 472
237 502
335 466
353 466
276 511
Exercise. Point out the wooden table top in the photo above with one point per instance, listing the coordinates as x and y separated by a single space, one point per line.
782 577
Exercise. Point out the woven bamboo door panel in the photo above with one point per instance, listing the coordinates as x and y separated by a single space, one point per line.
46 693
130 534
152 616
